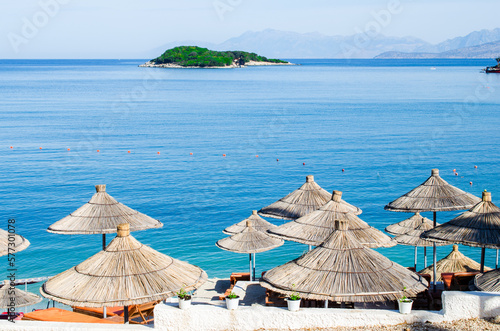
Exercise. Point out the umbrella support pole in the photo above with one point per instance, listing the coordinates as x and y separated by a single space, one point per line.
496 263
309 247
326 303
415 258
125 314
253 266
425 257
103 241
250 262
483 251
104 312
434 271
434 257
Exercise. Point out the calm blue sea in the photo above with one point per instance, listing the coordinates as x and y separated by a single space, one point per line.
386 122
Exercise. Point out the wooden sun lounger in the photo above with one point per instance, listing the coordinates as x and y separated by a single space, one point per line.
447 277
61 315
425 299
5 316
144 312
98 312
235 277
427 277
228 291
138 314
458 281
461 280
275 299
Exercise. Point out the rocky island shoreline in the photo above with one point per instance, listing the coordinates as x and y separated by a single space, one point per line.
150 64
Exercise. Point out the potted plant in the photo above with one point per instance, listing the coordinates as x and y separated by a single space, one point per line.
293 301
232 301
184 299
405 304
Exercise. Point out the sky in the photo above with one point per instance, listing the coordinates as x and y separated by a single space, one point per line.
125 29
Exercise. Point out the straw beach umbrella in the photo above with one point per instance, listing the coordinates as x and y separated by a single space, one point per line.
434 195
19 243
249 241
342 269
315 227
413 238
408 224
125 273
477 227
408 233
453 262
309 197
101 215
258 223
489 281
22 298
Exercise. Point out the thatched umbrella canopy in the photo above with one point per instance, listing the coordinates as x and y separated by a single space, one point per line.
258 223
125 273
101 215
435 194
408 225
315 227
249 241
477 227
489 281
342 269
20 243
453 262
23 298
413 238
309 197
412 235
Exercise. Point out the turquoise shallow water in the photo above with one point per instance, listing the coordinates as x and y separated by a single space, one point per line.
387 123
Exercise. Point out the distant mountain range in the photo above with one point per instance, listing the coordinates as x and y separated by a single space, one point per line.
483 51
290 45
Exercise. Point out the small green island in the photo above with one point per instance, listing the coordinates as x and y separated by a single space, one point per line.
198 57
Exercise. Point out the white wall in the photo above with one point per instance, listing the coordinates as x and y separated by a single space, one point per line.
456 305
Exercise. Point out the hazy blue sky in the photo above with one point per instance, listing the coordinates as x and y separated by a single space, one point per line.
121 29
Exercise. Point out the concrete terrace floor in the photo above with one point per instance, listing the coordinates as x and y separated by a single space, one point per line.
208 294
251 293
